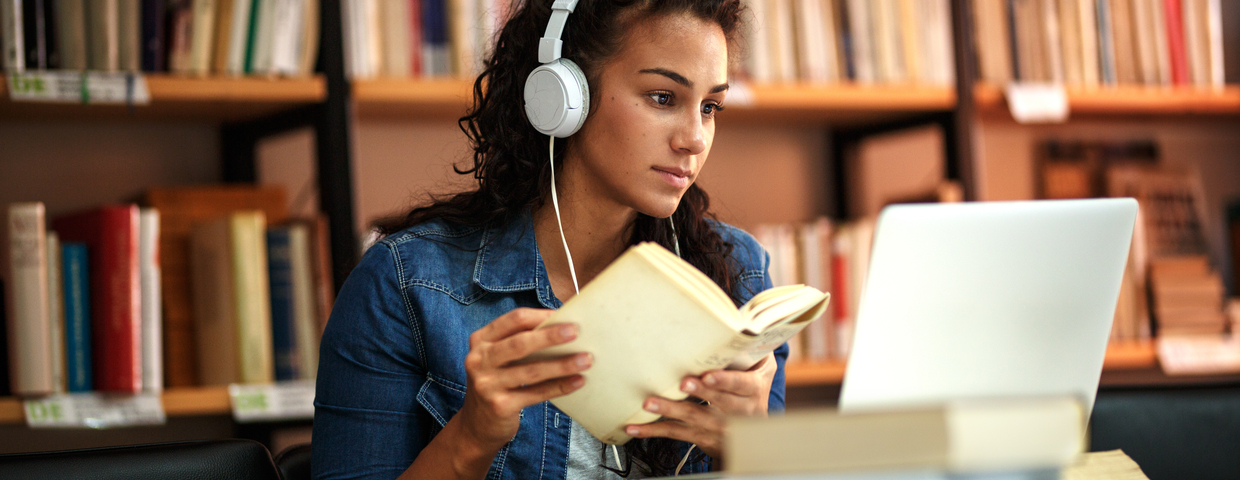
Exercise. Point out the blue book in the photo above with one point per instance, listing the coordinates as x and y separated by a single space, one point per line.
280 278
76 276
437 57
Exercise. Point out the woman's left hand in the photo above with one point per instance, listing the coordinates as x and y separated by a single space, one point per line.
728 392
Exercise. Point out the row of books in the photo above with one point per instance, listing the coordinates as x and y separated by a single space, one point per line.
195 288
420 38
195 37
1091 43
861 41
832 257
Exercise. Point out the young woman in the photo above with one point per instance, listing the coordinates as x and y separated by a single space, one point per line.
416 377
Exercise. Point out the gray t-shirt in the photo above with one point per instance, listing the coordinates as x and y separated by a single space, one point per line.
586 458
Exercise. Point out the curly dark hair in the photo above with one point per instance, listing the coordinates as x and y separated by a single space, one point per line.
509 154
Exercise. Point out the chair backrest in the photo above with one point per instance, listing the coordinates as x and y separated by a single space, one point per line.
203 460
294 462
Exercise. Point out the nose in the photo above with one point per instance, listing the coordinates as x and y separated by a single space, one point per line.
690 137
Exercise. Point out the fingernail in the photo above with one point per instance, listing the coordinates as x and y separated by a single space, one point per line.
651 406
689 387
578 382
710 380
568 331
632 431
583 360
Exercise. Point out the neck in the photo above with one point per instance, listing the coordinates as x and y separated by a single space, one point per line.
596 235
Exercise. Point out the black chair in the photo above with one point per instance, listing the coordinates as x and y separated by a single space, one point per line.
203 460
1172 434
294 462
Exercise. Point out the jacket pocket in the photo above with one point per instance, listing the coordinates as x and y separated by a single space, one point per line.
441 398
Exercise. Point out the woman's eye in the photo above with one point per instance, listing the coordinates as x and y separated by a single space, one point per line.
710 109
661 98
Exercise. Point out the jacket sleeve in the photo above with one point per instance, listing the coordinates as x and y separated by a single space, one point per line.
366 420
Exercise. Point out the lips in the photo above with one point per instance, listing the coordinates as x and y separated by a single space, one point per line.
677 177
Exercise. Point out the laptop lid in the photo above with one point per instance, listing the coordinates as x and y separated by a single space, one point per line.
988 300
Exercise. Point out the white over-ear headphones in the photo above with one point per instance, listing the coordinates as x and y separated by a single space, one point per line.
557 97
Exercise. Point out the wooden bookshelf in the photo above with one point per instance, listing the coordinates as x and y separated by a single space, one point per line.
211 99
1129 100
839 104
1121 356
177 402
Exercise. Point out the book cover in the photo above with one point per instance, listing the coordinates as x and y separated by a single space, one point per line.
180 209
232 309
34 29
1126 67
111 237
861 38
1143 36
152 306
77 316
180 35
1052 39
280 276
285 38
224 26
29 329
12 36
56 313
1071 45
103 39
71 33
202 36
621 316
993 40
1177 53
308 51
305 303
129 35
154 45
1091 68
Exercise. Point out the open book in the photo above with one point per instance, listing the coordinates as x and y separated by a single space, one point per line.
650 319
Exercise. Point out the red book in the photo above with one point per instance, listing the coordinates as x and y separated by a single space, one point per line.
111 237
1177 53
415 38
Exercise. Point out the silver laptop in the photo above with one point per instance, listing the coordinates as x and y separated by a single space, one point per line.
988 300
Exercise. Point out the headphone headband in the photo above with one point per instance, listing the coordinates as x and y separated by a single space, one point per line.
549 45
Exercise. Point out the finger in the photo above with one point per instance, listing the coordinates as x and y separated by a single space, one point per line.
538 372
742 384
725 401
691 413
548 390
709 442
522 344
517 320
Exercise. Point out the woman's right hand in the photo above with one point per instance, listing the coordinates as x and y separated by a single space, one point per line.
498 389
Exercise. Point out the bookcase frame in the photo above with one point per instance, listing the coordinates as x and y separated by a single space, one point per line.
252 109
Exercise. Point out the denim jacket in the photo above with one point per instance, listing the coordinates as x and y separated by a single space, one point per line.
392 361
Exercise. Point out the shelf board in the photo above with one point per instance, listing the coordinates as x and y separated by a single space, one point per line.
437 99
209 99
178 402
1130 100
1120 356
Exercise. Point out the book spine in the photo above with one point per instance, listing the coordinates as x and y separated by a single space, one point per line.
12 35
29 330
71 33
252 32
280 277
309 48
129 35
32 31
77 316
239 33
222 36
152 306
1176 54
253 298
154 48
305 315
122 357
56 313
202 39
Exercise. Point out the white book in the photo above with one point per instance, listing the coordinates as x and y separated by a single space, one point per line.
938 31
1193 16
831 34
815 256
758 61
785 53
30 342
397 58
14 41
811 42
1214 24
1091 69
56 313
286 35
152 300
622 321
238 36
888 51
1053 39
1160 41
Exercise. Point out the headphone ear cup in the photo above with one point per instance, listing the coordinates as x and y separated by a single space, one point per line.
557 98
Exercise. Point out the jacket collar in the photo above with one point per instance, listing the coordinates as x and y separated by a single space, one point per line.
509 261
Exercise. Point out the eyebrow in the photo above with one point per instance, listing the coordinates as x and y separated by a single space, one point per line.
678 78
